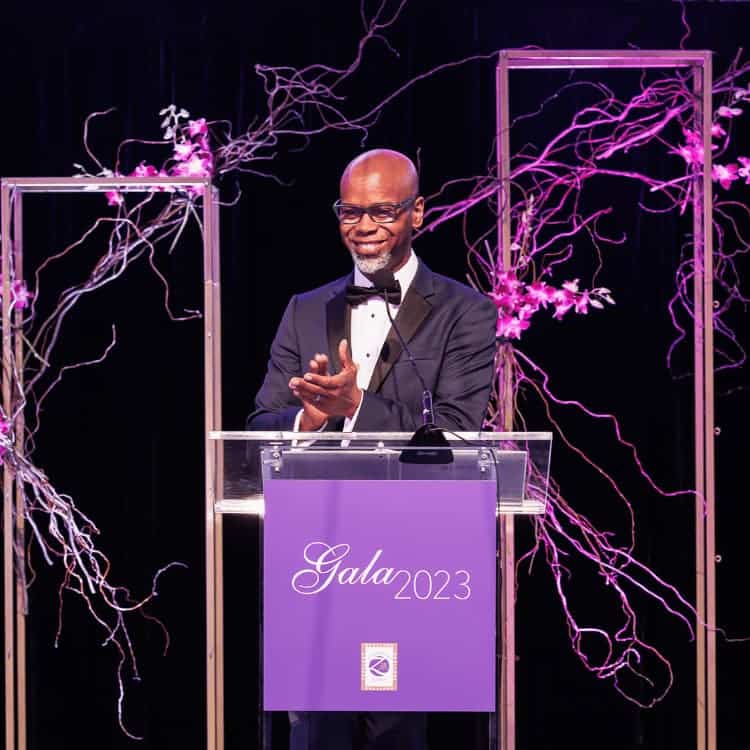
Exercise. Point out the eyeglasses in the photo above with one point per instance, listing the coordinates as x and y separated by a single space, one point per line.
380 213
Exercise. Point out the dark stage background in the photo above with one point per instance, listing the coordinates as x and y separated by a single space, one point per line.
125 438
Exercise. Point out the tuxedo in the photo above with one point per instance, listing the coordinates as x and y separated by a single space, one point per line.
450 331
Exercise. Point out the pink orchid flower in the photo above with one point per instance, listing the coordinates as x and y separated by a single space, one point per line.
529 306
196 166
561 309
561 296
717 131
511 327
507 280
197 127
744 170
526 311
20 295
145 170
563 299
691 137
725 175
728 111
183 151
113 198
582 303
691 154
505 301
540 293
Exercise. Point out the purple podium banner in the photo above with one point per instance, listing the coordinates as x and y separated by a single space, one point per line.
379 595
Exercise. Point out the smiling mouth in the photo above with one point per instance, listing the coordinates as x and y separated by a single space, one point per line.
369 246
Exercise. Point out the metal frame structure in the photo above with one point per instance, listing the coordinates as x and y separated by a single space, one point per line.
699 63
11 193
12 190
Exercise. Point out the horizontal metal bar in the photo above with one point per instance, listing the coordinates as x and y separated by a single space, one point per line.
255 506
578 58
86 184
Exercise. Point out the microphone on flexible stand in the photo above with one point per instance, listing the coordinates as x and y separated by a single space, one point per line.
428 444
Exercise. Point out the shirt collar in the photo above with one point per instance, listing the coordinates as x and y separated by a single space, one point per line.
405 275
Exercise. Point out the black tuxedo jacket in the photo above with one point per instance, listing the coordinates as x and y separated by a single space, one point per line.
450 330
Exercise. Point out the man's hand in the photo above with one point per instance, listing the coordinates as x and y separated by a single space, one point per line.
312 417
324 395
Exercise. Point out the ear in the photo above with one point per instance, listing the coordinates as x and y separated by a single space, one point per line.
417 212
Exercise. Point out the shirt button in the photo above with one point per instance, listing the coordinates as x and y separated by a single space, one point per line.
368 354
372 315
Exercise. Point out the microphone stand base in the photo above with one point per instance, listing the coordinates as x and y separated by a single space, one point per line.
428 445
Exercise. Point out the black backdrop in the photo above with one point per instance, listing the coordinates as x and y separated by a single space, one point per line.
125 438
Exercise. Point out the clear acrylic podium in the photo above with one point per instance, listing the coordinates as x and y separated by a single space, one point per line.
372 558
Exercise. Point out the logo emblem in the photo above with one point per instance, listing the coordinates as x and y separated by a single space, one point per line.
379 666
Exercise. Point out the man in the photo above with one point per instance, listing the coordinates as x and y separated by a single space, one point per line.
337 365
356 374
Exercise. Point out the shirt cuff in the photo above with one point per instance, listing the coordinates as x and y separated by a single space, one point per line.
298 419
349 421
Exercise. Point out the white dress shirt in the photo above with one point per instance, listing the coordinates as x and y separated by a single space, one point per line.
369 328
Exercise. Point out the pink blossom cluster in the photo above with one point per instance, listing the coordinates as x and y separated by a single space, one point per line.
517 301
192 157
692 151
20 296
726 174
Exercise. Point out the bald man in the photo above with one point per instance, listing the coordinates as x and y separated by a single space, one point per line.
335 362
337 365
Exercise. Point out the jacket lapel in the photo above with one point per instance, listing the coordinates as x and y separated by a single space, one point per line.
412 312
338 323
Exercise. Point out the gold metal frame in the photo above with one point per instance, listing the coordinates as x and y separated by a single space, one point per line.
699 63
12 190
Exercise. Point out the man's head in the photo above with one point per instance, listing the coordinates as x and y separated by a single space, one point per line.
380 177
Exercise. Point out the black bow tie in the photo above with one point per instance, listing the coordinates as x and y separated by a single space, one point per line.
356 295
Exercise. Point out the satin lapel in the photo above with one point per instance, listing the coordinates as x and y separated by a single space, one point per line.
412 312
338 325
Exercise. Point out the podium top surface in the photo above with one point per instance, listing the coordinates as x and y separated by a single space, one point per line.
517 463
266 436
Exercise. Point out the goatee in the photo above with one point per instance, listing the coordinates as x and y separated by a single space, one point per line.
370 265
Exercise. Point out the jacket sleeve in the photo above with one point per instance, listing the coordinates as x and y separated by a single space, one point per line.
463 386
275 406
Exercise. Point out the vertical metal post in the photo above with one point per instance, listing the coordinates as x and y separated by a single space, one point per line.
708 401
700 529
19 427
8 521
705 531
507 684
700 64
212 380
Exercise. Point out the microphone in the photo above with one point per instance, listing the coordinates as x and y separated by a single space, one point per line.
429 436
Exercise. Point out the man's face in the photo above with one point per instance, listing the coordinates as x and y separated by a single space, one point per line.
375 246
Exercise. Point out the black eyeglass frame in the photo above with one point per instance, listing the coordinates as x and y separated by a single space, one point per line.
397 208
